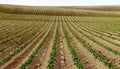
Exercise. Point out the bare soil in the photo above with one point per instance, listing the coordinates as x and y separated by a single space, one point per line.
63 59
41 59
107 55
87 59
15 61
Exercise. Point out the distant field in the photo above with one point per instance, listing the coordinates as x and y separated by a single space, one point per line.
59 37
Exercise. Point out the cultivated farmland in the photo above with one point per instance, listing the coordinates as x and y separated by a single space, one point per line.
59 37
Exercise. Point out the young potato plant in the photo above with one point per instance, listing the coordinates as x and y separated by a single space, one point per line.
23 66
53 53
100 44
108 64
74 55
4 60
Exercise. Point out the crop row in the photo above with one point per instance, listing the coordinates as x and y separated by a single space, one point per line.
99 30
74 55
2 61
14 36
13 30
102 45
89 48
29 60
53 52
23 35
103 35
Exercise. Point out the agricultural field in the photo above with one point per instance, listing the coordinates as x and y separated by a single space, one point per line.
59 37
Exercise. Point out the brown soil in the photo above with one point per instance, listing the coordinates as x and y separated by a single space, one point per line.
15 61
103 41
9 50
87 59
12 40
110 39
63 59
107 55
12 48
41 59
112 34
12 36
